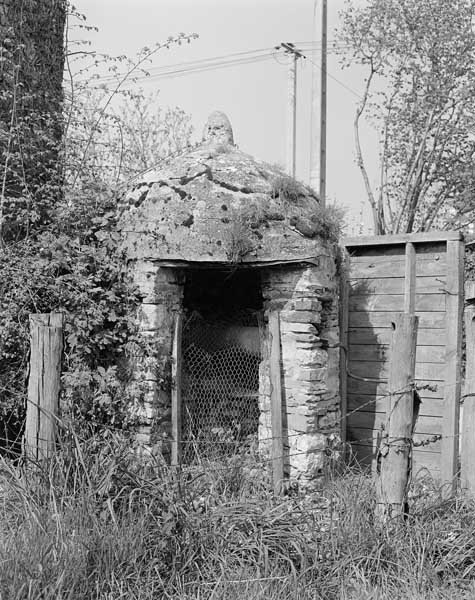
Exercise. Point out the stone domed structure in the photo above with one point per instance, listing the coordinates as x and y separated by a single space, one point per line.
217 240
217 204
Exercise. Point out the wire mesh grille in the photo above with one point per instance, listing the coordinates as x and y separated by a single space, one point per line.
221 359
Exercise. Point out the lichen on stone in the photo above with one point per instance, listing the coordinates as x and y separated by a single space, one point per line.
208 194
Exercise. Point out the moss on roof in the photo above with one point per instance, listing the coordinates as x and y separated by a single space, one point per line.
215 203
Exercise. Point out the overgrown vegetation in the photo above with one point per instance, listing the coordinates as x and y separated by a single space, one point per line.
95 524
286 188
63 159
74 267
326 222
244 234
31 99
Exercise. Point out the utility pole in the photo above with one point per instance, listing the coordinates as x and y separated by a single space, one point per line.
318 149
295 54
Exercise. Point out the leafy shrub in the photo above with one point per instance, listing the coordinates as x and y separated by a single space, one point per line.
62 159
74 267
31 71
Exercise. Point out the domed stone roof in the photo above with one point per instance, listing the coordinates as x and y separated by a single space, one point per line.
216 204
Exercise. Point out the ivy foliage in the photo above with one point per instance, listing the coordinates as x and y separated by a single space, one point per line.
31 125
74 267
59 248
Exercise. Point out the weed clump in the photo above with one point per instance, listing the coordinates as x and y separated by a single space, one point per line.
241 241
325 222
286 188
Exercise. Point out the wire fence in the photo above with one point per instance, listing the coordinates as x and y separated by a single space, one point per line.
237 454
220 395
220 434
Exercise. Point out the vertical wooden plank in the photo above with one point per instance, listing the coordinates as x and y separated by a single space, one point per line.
176 391
276 402
32 420
53 347
467 464
395 451
344 340
467 446
410 280
453 351
46 335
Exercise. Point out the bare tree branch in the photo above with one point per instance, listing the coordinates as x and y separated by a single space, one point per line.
378 225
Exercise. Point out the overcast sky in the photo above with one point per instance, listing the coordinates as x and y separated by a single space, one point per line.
254 96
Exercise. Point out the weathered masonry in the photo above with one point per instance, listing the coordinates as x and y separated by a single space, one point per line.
374 294
217 243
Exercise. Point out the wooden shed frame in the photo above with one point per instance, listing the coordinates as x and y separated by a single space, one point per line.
449 246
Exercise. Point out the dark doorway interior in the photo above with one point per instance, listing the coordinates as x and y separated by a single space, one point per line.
221 356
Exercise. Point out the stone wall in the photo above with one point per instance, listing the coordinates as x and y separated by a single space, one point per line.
162 291
307 298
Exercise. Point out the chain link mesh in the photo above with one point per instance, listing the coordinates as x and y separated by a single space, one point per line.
221 357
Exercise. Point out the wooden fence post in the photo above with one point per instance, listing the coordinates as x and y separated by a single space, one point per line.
276 403
394 454
344 349
176 392
449 444
46 335
467 465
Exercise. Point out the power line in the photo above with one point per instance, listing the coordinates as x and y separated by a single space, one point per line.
197 69
211 66
184 67
354 92
214 63
201 62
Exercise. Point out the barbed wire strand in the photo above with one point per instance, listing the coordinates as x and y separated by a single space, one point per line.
262 460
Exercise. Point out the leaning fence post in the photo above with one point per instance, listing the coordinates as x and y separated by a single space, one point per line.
46 345
276 402
467 465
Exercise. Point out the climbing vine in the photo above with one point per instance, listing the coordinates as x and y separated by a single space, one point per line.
60 249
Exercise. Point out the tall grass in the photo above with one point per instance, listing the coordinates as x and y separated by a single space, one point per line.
96 523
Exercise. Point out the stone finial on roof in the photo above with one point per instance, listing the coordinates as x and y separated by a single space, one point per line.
218 129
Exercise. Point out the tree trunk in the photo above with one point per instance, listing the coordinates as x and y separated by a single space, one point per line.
31 98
